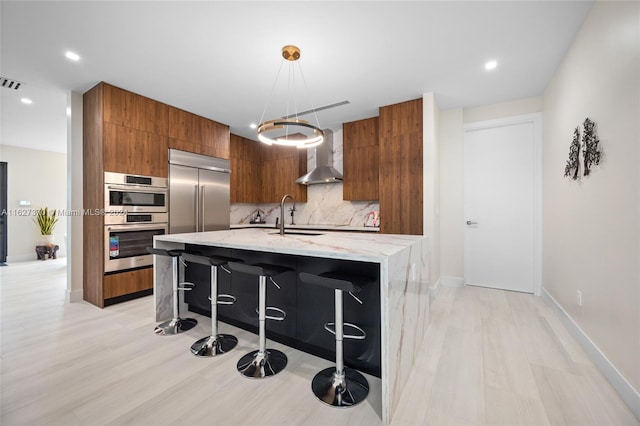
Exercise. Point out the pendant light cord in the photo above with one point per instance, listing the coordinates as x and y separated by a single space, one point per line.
275 82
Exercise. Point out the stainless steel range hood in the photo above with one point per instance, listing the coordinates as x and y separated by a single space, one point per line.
324 171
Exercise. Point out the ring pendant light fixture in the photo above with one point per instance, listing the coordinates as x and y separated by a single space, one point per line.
290 130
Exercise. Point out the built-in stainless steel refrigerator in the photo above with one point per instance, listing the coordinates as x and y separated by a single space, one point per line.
198 192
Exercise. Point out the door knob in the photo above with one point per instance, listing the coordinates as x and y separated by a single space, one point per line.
471 223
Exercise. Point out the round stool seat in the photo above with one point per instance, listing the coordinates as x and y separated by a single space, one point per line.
165 252
259 269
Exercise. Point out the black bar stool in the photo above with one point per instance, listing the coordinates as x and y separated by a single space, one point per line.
339 386
263 362
215 344
175 325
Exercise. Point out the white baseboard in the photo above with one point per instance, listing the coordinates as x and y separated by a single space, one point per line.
444 282
626 391
433 291
452 281
73 296
21 258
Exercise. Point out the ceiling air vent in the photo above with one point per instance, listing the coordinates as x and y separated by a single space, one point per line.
8 83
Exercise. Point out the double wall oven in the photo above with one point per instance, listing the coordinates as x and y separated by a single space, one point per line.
135 211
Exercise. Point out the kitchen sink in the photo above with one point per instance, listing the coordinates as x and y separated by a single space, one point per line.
297 233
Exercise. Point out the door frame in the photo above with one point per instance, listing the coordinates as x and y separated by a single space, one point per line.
536 120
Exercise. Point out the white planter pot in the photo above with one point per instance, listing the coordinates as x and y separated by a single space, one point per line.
47 239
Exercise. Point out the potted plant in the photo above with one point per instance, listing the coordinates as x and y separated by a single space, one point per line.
46 222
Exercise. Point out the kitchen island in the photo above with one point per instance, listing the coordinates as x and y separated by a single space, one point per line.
399 263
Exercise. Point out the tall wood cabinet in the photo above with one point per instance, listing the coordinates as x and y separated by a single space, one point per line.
245 183
127 133
263 174
361 156
401 178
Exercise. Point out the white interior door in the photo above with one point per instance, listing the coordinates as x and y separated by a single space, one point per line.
500 206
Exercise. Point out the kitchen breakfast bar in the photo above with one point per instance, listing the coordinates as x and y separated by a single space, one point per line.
392 309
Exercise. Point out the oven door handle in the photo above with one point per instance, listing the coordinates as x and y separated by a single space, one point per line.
138 187
137 227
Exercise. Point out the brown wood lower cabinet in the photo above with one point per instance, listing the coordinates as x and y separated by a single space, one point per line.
125 283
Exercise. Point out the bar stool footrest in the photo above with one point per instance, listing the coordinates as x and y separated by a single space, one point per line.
225 299
186 286
330 327
282 313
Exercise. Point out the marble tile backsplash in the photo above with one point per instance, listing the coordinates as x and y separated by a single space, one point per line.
324 205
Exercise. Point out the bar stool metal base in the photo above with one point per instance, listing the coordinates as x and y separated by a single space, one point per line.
211 346
346 391
177 326
259 366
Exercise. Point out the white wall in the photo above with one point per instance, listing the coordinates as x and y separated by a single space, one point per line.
74 191
451 186
451 133
591 228
40 177
431 183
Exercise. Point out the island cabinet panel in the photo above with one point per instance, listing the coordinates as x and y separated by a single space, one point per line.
280 167
130 110
190 132
128 150
361 160
245 170
125 283
401 178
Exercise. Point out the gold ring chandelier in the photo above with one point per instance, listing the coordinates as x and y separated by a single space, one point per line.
290 130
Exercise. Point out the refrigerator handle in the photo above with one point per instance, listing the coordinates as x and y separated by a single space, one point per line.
202 190
196 207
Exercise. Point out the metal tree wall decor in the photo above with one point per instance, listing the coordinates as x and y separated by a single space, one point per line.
573 163
590 148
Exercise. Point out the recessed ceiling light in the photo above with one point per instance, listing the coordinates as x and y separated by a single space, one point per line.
26 101
72 56
253 125
490 65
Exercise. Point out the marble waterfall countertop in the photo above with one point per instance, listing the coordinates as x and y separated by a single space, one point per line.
341 228
404 286
332 245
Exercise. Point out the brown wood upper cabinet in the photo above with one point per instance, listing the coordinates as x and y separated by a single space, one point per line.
133 111
281 166
401 184
128 150
263 174
190 132
361 160
245 170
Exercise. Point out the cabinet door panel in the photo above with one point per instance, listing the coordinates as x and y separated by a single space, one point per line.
129 150
361 160
128 109
127 282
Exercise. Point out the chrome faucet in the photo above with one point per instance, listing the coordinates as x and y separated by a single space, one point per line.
282 210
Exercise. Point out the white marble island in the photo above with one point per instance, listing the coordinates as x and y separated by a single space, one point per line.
404 287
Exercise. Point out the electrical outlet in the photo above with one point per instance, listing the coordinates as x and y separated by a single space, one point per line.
579 296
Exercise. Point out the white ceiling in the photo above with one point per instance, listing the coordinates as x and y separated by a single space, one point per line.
220 59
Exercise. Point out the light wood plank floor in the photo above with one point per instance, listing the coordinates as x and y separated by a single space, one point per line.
491 358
